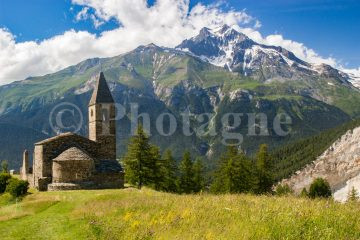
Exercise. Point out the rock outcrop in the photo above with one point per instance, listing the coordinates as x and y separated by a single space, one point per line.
339 165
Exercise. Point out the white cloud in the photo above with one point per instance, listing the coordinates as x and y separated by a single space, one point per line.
166 23
257 24
20 60
84 15
299 49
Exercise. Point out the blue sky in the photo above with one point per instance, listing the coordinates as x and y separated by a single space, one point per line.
330 27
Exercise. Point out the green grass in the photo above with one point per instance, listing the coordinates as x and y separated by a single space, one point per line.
146 214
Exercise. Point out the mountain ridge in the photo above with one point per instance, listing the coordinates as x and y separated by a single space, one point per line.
235 51
165 80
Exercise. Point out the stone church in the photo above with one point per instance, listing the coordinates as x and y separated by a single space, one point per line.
69 161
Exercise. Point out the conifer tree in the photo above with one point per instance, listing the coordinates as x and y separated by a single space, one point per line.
153 166
263 166
186 181
199 181
353 195
235 173
168 173
139 160
220 184
240 177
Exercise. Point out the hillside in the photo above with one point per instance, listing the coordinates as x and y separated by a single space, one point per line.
146 214
294 156
187 80
338 164
25 137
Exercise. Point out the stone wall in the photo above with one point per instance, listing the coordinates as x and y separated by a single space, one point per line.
42 183
72 171
47 171
102 128
107 147
47 150
108 180
63 186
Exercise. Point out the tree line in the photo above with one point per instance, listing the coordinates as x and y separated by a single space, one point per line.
236 173
144 166
290 158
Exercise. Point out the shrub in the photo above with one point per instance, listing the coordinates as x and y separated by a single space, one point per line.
320 188
17 187
4 178
5 166
282 190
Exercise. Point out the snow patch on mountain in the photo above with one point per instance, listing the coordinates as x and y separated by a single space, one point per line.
354 75
228 48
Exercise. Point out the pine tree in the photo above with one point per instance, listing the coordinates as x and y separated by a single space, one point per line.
235 173
239 176
154 165
199 181
186 181
220 183
231 172
139 160
353 195
263 158
263 166
168 173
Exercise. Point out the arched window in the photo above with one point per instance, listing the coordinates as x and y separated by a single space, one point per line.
92 113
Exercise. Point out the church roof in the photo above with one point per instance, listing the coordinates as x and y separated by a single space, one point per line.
61 136
106 166
73 154
101 92
48 140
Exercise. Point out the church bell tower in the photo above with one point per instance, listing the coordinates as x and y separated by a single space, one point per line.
102 118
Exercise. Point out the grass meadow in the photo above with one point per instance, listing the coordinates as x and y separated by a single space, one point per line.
147 214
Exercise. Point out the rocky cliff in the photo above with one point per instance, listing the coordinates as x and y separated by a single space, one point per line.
339 165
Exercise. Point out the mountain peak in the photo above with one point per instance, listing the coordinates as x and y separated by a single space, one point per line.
150 46
226 47
204 32
226 31
224 28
